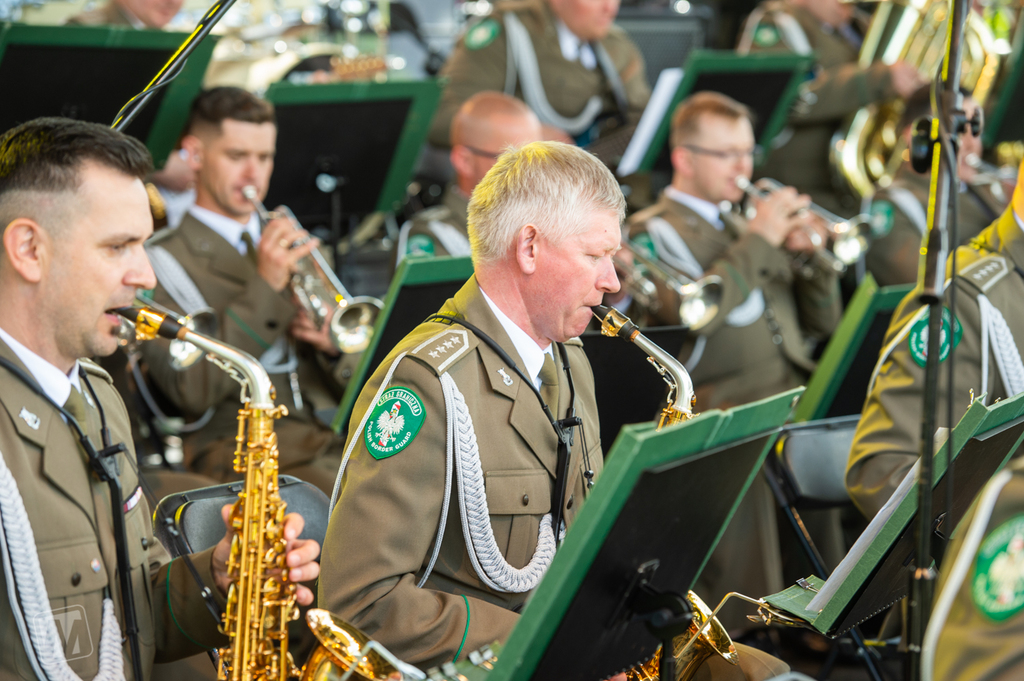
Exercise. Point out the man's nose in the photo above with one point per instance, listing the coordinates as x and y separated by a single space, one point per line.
609 280
141 275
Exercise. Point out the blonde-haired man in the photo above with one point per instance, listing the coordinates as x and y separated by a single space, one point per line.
544 223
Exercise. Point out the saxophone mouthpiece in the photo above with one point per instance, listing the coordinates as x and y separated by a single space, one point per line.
600 311
149 324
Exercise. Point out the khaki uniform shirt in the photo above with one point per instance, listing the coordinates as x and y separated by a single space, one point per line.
984 629
886 443
251 317
383 528
69 511
800 154
419 236
768 354
894 255
479 62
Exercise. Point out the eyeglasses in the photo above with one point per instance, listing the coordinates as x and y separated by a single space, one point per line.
482 153
726 154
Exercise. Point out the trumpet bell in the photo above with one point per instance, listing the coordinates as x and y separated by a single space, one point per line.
184 354
352 323
339 652
700 302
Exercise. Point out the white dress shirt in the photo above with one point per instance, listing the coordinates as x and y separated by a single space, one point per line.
531 353
229 228
707 210
54 382
573 48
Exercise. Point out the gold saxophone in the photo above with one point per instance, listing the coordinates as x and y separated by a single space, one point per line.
261 598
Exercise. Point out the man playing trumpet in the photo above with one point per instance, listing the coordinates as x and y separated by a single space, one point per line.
756 344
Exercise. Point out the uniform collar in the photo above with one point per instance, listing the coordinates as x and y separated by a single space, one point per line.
531 353
228 228
574 49
705 209
54 382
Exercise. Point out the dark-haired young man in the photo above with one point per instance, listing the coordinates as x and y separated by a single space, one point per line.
218 259
75 214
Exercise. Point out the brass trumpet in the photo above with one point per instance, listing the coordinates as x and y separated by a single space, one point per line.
849 237
319 290
699 300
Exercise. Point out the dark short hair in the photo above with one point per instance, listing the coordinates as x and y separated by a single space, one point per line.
212 107
686 118
46 154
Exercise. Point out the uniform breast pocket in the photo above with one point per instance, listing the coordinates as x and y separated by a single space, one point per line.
517 500
140 541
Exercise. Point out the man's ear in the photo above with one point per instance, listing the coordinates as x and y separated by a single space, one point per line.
461 162
681 161
193 146
526 249
26 248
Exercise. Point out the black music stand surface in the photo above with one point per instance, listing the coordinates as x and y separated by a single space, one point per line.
628 389
88 73
419 288
876 573
767 83
365 135
655 514
839 385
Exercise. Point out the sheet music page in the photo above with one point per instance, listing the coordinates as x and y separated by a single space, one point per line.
656 110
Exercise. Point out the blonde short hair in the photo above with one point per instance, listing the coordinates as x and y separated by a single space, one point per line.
687 117
551 185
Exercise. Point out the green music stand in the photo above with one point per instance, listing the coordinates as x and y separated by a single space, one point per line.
1001 125
839 384
654 516
347 148
419 288
88 73
767 83
876 572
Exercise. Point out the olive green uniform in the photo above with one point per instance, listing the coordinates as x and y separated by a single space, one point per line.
981 639
109 14
436 231
800 154
252 317
480 62
899 220
886 443
383 530
69 512
753 348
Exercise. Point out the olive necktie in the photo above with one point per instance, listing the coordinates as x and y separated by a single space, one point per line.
250 245
549 384
76 407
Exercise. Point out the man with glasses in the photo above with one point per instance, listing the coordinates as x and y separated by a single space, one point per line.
757 343
486 124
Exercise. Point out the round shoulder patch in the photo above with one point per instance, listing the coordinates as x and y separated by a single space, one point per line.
483 34
918 338
882 215
766 35
419 244
395 420
998 585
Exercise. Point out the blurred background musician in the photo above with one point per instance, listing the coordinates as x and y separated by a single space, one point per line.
580 74
833 30
243 275
989 317
757 344
483 127
135 13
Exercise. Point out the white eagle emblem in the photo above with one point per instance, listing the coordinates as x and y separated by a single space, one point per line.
390 424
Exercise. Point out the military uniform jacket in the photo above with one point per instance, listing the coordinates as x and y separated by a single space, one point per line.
755 346
252 317
438 230
69 510
800 154
383 529
885 445
480 62
899 217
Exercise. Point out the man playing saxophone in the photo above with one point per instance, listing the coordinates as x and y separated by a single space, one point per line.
218 259
756 344
477 390
75 215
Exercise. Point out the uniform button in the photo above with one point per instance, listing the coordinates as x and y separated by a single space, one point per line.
76 579
145 542
346 373
526 500
572 498
768 313
95 565
777 339
272 324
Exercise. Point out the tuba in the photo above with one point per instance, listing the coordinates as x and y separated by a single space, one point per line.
868 149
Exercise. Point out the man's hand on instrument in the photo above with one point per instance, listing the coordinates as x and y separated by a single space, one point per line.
275 257
303 329
300 556
779 214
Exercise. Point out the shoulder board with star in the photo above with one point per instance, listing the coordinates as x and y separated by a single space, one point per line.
94 369
442 350
980 269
